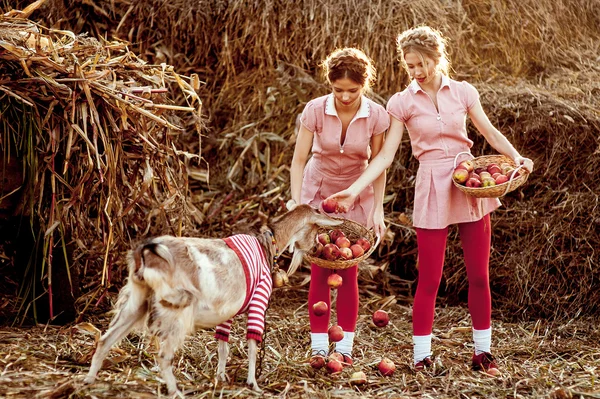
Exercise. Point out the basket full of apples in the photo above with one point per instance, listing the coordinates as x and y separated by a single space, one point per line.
488 176
343 247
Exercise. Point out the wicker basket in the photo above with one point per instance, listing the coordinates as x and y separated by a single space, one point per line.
497 190
353 231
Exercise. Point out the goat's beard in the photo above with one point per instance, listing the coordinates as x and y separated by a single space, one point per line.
296 261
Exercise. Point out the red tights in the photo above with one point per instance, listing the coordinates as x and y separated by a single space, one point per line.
347 298
476 242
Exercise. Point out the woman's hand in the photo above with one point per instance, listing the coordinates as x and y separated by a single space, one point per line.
344 199
526 162
378 222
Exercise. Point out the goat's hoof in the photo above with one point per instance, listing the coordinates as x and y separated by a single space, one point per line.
254 386
222 377
89 379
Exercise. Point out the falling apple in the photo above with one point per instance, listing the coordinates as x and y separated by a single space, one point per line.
320 308
335 333
334 280
381 318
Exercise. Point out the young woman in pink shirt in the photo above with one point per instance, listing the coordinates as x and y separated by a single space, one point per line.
433 108
338 135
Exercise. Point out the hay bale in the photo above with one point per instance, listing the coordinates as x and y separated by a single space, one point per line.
97 131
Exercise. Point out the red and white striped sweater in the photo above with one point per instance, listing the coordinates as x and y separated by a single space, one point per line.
259 285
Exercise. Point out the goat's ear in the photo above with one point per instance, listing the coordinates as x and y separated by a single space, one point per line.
328 222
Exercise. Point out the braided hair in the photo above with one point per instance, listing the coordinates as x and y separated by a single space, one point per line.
424 42
349 63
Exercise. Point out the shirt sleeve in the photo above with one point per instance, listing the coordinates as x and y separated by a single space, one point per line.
382 122
471 95
396 109
309 117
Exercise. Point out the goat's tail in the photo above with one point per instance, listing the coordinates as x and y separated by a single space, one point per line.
152 265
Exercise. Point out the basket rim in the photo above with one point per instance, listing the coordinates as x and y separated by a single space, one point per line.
344 264
498 190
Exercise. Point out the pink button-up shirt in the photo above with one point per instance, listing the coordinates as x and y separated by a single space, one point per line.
437 136
334 166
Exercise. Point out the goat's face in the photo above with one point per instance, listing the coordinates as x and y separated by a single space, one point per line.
301 225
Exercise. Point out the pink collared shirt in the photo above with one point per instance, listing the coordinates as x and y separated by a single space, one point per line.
334 166
436 137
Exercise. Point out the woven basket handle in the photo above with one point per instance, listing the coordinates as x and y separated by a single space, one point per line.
512 176
460 153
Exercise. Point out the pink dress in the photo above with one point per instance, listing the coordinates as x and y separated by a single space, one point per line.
333 166
436 138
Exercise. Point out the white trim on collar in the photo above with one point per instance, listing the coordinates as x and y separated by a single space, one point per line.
414 85
363 112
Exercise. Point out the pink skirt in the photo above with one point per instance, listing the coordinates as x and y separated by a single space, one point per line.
318 185
438 203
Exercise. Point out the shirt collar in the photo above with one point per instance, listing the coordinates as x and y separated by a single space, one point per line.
414 86
363 112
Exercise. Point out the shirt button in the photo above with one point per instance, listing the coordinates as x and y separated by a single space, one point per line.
439 118
341 151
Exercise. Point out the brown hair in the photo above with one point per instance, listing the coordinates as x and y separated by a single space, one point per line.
349 63
424 42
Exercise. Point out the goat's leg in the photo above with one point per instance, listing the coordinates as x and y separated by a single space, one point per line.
223 351
132 311
252 351
171 335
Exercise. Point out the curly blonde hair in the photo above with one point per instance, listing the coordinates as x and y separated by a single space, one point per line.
424 41
349 63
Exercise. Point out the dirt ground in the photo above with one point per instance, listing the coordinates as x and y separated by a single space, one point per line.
538 359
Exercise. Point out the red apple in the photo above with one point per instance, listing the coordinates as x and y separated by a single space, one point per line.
324 238
334 280
515 172
335 234
331 252
386 367
346 253
381 318
468 165
473 183
364 243
493 168
501 179
506 168
343 242
474 175
484 175
459 166
460 175
357 250
494 175
358 378
320 308
330 205
334 367
317 362
337 356
335 333
479 170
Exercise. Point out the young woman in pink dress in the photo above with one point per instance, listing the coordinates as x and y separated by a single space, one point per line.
338 135
433 108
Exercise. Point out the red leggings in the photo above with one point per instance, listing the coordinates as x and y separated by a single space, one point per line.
347 298
476 242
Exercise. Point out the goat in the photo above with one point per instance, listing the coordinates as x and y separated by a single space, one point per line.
179 284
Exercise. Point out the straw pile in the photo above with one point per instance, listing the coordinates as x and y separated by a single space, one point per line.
539 360
98 132
534 62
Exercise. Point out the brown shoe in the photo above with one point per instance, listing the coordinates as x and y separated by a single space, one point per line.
485 362
424 364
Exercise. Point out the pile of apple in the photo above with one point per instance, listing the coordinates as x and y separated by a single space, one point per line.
490 175
335 245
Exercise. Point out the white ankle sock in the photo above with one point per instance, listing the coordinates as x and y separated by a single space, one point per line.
345 345
422 347
482 340
319 342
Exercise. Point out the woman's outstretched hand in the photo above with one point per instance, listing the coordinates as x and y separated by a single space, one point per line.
526 162
344 200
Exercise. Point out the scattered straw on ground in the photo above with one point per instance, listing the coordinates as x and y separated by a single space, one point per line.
538 359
